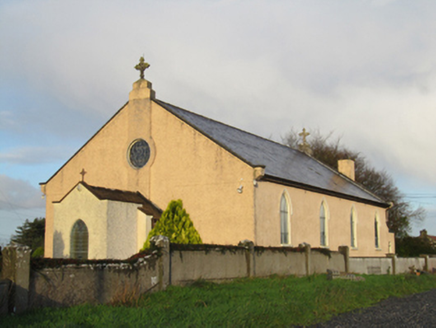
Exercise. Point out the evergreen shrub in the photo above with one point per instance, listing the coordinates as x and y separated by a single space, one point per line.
175 224
39 252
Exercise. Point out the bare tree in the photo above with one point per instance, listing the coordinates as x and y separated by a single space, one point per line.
329 151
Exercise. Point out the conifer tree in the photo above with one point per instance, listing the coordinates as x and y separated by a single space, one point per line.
176 225
31 234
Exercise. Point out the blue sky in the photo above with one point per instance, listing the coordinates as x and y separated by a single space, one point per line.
365 70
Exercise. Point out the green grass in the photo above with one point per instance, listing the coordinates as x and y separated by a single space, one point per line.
270 302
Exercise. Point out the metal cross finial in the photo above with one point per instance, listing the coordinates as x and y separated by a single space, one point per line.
83 174
142 66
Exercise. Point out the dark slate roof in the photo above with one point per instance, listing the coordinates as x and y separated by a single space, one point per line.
123 196
282 164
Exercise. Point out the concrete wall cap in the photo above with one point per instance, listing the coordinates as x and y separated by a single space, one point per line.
159 241
18 247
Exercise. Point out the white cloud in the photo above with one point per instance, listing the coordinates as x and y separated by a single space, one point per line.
6 120
35 155
16 194
364 69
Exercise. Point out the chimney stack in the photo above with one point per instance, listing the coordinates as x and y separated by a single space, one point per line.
346 167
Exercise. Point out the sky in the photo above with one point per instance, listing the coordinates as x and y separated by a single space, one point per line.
363 70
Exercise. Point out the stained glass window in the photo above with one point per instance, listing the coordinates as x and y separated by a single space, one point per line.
79 241
353 229
139 153
322 223
376 233
284 221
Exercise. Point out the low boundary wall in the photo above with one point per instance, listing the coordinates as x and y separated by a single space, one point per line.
25 286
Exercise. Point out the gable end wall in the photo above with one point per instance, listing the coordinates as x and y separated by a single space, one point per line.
192 167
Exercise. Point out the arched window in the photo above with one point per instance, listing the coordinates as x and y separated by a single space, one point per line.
284 221
353 228
79 241
323 225
376 233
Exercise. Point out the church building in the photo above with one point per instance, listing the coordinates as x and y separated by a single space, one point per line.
235 185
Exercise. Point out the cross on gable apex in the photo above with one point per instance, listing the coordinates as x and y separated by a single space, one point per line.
142 66
82 173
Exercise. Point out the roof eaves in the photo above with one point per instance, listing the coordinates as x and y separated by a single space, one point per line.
358 185
111 194
75 186
95 192
303 186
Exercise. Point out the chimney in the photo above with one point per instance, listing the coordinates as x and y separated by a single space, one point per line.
423 233
346 167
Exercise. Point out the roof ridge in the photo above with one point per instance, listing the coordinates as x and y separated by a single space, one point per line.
227 125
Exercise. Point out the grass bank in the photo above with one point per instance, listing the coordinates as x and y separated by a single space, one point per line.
270 302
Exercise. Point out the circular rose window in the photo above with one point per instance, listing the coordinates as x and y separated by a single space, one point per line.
139 153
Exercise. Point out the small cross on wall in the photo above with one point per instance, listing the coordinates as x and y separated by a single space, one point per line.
142 66
82 173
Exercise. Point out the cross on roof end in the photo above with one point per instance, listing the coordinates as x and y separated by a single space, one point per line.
142 66
82 173
304 134
304 146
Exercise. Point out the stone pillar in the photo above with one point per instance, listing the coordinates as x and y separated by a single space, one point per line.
345 250
16 268
249 257
307 250
426 264
394 262
162 243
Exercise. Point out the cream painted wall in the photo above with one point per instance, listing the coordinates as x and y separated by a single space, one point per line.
122 229
112 225
104 158
184 164
80 204
205 176
305 223
143 228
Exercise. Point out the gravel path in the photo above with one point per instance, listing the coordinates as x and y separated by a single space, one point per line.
417 310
